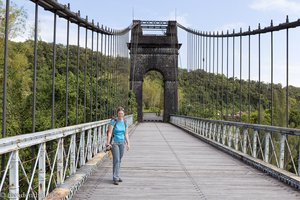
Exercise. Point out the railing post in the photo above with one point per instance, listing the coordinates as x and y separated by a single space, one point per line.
236 141
206 129
219 133
95 147
82 146
42 172
89 145
245 133
230 136
201 127
281 153
210 131
224 134
14 176
194 125
104 136
60 161
254 144
214 131
99 139
267 142
73 155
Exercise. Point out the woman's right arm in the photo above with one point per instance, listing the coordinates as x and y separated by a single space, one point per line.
110 128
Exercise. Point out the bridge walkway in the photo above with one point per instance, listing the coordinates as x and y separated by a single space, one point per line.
167 163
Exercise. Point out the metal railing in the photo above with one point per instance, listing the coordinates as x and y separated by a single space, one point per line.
277 146
75 146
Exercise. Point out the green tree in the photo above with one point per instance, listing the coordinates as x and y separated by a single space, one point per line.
153 92
17 20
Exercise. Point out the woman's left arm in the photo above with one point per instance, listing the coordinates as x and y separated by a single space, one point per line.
127 139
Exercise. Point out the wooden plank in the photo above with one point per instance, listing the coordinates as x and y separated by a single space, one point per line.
167 163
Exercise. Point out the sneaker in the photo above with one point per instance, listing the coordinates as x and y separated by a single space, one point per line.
120 180
116 183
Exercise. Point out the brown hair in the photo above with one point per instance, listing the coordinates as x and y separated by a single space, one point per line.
120 109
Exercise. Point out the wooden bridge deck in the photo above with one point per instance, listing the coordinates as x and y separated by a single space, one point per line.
167 163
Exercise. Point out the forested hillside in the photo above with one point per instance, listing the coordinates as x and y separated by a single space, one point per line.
216 97
104 87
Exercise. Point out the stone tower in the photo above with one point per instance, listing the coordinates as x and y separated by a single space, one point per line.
155 52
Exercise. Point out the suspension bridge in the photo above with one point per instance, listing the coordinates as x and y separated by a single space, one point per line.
218 153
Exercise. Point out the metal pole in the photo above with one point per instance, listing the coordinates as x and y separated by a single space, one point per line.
241 76
77 74
209 74
105 72
227 65
91 77
101 77
213 89
188 50
67 71
206 53
217 75
108 76
34 78
287 79
116 94
85 66
249 67
206 72
203 54
4 103
259 86
97 73
14 187
233 79
53 72
53 86
200 61
222 75
272 71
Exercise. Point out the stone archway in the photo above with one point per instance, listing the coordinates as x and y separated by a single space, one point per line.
155 52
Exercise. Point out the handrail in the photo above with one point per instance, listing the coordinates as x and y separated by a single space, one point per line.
259 30
289 131
70 154
64 11
256 143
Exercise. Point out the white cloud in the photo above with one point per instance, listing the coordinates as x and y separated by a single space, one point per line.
286 6
181 19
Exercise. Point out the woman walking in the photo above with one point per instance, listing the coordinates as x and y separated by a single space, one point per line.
118 134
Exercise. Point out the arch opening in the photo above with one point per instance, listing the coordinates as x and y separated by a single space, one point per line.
153 96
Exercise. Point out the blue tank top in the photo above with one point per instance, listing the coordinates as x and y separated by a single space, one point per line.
119 130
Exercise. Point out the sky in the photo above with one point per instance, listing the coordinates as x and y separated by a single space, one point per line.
202 15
